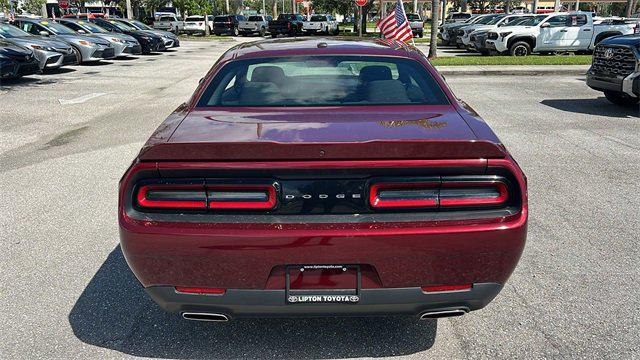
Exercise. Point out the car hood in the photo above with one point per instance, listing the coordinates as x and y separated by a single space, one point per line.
375 132
78 38
35 40
485 27
164 33
628 40
13 50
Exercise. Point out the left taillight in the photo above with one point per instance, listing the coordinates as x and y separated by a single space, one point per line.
172 196
201 196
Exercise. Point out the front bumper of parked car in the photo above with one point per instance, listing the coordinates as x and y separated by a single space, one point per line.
12 69
629 85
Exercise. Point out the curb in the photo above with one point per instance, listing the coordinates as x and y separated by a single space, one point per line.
525 70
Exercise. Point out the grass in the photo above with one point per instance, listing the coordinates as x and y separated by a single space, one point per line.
512 60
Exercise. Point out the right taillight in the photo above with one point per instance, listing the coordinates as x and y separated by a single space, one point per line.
473 193
439 193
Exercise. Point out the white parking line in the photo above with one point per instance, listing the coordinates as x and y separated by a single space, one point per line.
81 99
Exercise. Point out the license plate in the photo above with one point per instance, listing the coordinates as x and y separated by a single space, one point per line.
322 284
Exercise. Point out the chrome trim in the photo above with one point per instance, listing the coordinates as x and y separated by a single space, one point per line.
198 316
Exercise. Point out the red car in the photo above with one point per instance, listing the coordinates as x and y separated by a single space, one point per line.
323 178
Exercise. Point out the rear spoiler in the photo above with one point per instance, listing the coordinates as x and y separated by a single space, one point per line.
371 150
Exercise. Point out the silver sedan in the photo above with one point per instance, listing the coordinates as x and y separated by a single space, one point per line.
122 43
51 54
88 48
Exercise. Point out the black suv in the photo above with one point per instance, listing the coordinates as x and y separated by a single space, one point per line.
227 24
616 69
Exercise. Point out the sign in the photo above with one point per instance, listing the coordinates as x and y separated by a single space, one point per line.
361 2
63 4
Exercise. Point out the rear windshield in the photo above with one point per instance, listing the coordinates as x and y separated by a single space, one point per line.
221 18
318 18
194 18
322 81
255 18
413 17
286 17
166 18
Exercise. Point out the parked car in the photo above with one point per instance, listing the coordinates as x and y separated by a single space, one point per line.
17 61
472 32
51 54
170 40
254 24
123 44
84 16
320 23
570 32
448 31
195 24
483 20
616 71
286 24
88 48
169 22
457 17
227 24
354 203
149 42
416 23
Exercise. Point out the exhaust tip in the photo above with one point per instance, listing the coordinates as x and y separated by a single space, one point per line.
205 317
442 314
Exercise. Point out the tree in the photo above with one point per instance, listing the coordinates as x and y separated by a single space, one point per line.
32 6
433 46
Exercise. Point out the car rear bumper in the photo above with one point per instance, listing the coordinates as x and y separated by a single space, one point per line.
239 303
629 85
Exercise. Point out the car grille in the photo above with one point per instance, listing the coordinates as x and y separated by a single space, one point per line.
492 36
53 59
460 32
108 53
28 69
622 62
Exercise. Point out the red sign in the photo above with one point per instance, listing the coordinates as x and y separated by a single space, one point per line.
63 4
361 2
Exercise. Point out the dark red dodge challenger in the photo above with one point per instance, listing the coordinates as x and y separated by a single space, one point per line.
323 178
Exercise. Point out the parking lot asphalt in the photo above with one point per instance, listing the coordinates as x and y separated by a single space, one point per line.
66 291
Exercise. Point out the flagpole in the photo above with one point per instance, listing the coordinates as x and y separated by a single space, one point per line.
407 20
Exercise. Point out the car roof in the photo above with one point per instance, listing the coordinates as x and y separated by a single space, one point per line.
321 46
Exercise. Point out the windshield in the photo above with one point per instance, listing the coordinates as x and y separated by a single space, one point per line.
10 31
121 26
485 20
255 18
337 80
56 28
495 20
91 27
140 25
413 17
318 18
532 21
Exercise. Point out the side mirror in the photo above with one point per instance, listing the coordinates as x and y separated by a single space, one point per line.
44 33
545 25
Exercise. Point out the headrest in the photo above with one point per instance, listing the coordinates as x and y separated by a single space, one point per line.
375 72
272 74
386 92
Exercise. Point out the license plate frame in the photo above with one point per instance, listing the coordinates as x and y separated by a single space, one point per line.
322 296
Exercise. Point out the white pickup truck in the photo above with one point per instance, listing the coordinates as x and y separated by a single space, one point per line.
168 22
321 24
570 32
255 24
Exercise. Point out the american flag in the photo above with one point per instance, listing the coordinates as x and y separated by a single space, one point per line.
395 25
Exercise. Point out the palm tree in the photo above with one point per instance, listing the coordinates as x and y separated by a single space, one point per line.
433 47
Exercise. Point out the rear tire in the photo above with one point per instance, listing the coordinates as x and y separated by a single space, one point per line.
274 35
520 48
262 32
621 99
235 32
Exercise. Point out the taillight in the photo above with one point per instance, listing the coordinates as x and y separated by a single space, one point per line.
241 197
470 193
216 196
288 25
172 196
394 195
439 192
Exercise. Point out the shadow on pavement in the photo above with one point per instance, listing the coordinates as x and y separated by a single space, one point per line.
114 312
599 106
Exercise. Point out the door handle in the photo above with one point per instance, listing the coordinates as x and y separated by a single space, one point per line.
586 29
563 30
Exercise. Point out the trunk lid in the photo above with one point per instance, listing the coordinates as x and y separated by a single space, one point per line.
382 132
